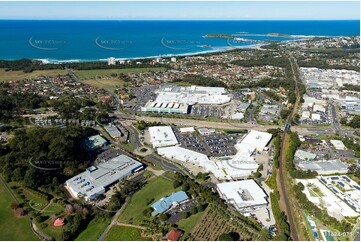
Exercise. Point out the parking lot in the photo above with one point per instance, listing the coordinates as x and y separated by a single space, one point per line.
217 144
207 111
220 144
175 214
191 142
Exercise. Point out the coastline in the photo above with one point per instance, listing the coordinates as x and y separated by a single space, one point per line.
218 50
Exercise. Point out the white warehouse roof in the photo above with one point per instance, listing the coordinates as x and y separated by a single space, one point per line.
162 136
245 195
255 140
93 181
339 145
187 130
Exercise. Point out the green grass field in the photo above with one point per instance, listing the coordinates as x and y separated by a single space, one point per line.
155 189
124 234
93 231
110 84
12 228
91 74
189 223
20 75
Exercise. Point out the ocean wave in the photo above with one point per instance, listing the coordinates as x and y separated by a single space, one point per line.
212 50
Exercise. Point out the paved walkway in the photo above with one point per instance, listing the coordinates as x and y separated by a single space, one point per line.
155 172
114 221
33 227
131 226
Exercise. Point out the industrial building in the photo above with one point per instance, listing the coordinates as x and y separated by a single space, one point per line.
178 99
94 180
270 109
246 195
166 203
304 155
95 142
323 167
338 144
187 130
161 136
113 131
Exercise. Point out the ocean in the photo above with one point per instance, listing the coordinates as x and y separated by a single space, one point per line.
61 41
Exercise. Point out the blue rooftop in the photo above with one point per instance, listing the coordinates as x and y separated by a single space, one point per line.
165 203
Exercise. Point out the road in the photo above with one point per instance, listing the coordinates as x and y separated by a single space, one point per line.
251 112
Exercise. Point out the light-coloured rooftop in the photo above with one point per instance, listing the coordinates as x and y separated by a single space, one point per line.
246 193
93 181
162 136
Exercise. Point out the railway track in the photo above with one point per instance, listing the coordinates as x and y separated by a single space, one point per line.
281 172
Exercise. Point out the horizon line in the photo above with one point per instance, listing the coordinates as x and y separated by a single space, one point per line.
15 19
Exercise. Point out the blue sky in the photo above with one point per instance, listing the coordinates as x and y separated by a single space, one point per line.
181 10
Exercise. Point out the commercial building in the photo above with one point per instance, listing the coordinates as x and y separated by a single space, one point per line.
316 116
338 144
166 203
319 108
246 195
254 140
204 131
304 155
241 165
94 180
113 131
305 115
177 99
323 167
161 136
237 116
270 109
95 142
165 107
187 130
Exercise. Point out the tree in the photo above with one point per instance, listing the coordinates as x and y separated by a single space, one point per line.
185 187
163 217
225 237
355 122
284 113
185 215
343 120
193 210
176 184
200 208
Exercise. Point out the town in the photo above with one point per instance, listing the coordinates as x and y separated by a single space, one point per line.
247 144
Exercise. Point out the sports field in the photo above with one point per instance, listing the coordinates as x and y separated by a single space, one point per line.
155 189
11 227
92 74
